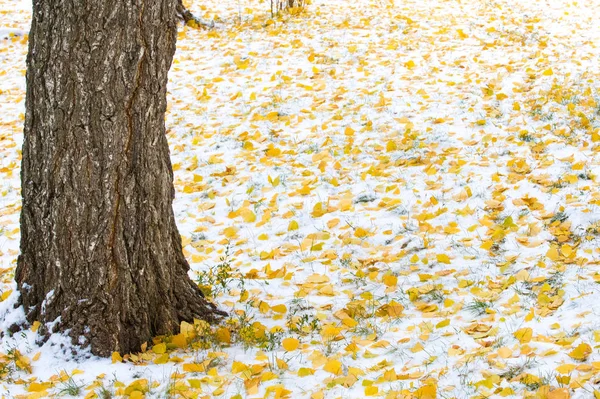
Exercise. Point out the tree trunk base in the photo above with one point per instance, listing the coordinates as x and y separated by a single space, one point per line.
105 333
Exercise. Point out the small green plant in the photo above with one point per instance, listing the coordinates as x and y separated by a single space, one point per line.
366 328
346 262
6 369
498 246
435 295
104 392
526 136
585 175
498 343
559 217
301 318
531 290
247 332
365 198
70 387
12 362
532 385
478 307
570 99
554 280
547 117
517 369
559 184
593 230
219 278
524 288
256 335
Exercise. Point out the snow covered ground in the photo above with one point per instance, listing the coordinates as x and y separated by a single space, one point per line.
399 197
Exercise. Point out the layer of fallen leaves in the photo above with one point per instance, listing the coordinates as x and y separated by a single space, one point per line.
391 198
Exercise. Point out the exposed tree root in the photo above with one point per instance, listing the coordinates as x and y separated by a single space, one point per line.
187 17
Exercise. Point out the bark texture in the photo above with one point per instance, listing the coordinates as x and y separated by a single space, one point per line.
101 255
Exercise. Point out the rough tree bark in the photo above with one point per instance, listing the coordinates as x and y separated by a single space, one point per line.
101 255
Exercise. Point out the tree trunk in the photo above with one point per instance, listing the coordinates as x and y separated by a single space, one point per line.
101 255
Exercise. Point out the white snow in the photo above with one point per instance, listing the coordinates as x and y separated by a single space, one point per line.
394 133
